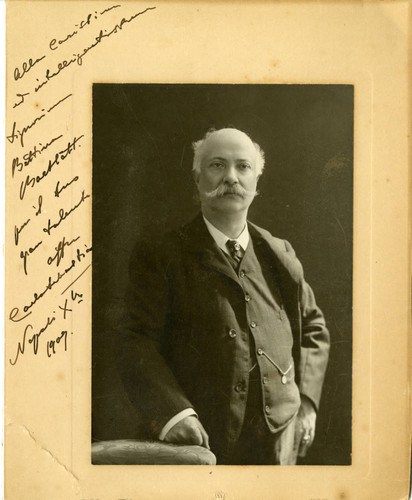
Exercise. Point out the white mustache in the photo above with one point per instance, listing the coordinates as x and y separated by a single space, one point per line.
224 189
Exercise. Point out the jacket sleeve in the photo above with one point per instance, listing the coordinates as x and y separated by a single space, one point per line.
314 342
148 380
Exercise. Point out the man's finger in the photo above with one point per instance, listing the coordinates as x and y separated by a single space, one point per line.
303 448
306 439
188 431
205 437
175 436
196 436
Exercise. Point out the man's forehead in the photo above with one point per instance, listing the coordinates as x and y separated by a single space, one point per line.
231 138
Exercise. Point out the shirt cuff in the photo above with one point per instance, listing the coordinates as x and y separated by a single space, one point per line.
307 399
176 419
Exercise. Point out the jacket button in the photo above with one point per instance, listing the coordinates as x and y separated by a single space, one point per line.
267 409
242 273
265 380
239 387
247 298
253 324
260 351
232 333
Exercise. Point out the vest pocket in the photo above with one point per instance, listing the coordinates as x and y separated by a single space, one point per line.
281 399
285 375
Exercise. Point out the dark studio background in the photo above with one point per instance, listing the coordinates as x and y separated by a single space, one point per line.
142 184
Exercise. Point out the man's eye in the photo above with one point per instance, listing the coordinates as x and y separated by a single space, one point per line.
244 166
217 164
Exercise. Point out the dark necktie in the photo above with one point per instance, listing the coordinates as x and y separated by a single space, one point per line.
235 251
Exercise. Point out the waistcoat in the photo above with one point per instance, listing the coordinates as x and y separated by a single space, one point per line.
270 339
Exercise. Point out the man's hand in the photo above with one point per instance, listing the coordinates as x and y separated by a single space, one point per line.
188 431
305 426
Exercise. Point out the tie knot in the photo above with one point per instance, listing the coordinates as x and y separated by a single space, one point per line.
235 250
233 245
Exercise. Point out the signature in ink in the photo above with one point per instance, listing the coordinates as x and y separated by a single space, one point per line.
51 283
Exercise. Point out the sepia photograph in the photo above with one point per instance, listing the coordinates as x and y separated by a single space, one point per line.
222 228
207 251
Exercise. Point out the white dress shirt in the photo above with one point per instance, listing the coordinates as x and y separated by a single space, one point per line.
220 240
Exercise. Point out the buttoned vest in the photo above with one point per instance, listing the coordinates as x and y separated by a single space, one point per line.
270 341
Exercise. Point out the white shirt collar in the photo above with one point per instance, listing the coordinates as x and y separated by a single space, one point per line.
221 239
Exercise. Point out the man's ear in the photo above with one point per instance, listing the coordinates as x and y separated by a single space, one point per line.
196 195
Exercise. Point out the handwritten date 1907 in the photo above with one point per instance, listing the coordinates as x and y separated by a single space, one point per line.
52 344
49 345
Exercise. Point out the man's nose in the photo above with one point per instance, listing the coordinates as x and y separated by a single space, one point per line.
230 174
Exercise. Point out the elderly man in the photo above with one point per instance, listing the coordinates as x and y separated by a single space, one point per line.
224 345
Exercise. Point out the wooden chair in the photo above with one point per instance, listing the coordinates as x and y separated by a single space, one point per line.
135 452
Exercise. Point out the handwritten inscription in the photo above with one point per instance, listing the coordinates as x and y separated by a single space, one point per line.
30 340
63 214
52 281
58 158
49 188
20 133
59 188
33 339
58 256
27 158
87 21
21 97
25 253
18 229
75 57
26 67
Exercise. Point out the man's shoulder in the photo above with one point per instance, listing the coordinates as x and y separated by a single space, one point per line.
191 233
276 243
281 249
170 241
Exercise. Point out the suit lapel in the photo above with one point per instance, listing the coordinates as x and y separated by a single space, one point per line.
287 268
286 262
199 240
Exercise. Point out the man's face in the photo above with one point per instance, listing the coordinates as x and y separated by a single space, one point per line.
228 165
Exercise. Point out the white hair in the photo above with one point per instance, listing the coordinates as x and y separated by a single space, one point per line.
198 147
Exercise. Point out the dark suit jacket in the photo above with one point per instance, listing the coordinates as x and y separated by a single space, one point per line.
175 350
